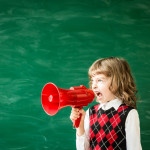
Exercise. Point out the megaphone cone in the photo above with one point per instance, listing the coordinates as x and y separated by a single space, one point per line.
50 99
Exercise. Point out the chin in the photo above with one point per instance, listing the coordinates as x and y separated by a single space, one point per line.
100 101
97 100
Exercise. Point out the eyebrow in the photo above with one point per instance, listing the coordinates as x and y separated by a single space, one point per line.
100 78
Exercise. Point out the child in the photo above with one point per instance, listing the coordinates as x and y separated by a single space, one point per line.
114 123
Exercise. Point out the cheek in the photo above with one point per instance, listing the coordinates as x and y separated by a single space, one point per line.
109 93
102 84
104 88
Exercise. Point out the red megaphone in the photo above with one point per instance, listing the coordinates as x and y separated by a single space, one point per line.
54 98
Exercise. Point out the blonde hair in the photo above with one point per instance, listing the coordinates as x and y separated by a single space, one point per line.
122 82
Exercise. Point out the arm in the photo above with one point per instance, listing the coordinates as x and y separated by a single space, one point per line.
82 141
132 128
82 132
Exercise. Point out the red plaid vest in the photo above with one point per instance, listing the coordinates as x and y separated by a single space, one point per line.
107 128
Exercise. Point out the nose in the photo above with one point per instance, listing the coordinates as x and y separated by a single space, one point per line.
94 85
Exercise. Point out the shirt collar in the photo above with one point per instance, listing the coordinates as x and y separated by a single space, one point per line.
113 103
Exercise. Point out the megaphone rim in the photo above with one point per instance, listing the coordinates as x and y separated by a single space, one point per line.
50 83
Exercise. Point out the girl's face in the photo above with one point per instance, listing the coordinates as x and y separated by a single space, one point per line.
100 86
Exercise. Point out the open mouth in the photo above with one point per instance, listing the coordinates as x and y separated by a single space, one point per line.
98 94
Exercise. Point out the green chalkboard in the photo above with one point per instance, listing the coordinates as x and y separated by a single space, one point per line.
56 41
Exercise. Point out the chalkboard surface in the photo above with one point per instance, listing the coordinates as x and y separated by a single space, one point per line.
56 41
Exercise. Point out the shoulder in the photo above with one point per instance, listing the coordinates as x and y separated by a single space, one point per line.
123 111
133 116
124 108
132 124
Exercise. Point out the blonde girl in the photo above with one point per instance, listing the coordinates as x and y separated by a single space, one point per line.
113 124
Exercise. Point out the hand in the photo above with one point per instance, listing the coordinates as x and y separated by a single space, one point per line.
75 114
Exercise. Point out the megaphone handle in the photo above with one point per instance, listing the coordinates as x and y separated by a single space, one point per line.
77 121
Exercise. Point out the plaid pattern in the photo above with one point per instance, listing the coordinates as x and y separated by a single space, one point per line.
107 128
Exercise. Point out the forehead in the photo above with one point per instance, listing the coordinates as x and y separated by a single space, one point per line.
102 76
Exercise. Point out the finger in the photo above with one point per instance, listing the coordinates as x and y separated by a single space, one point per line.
81 111
73 118
75 115
75 109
